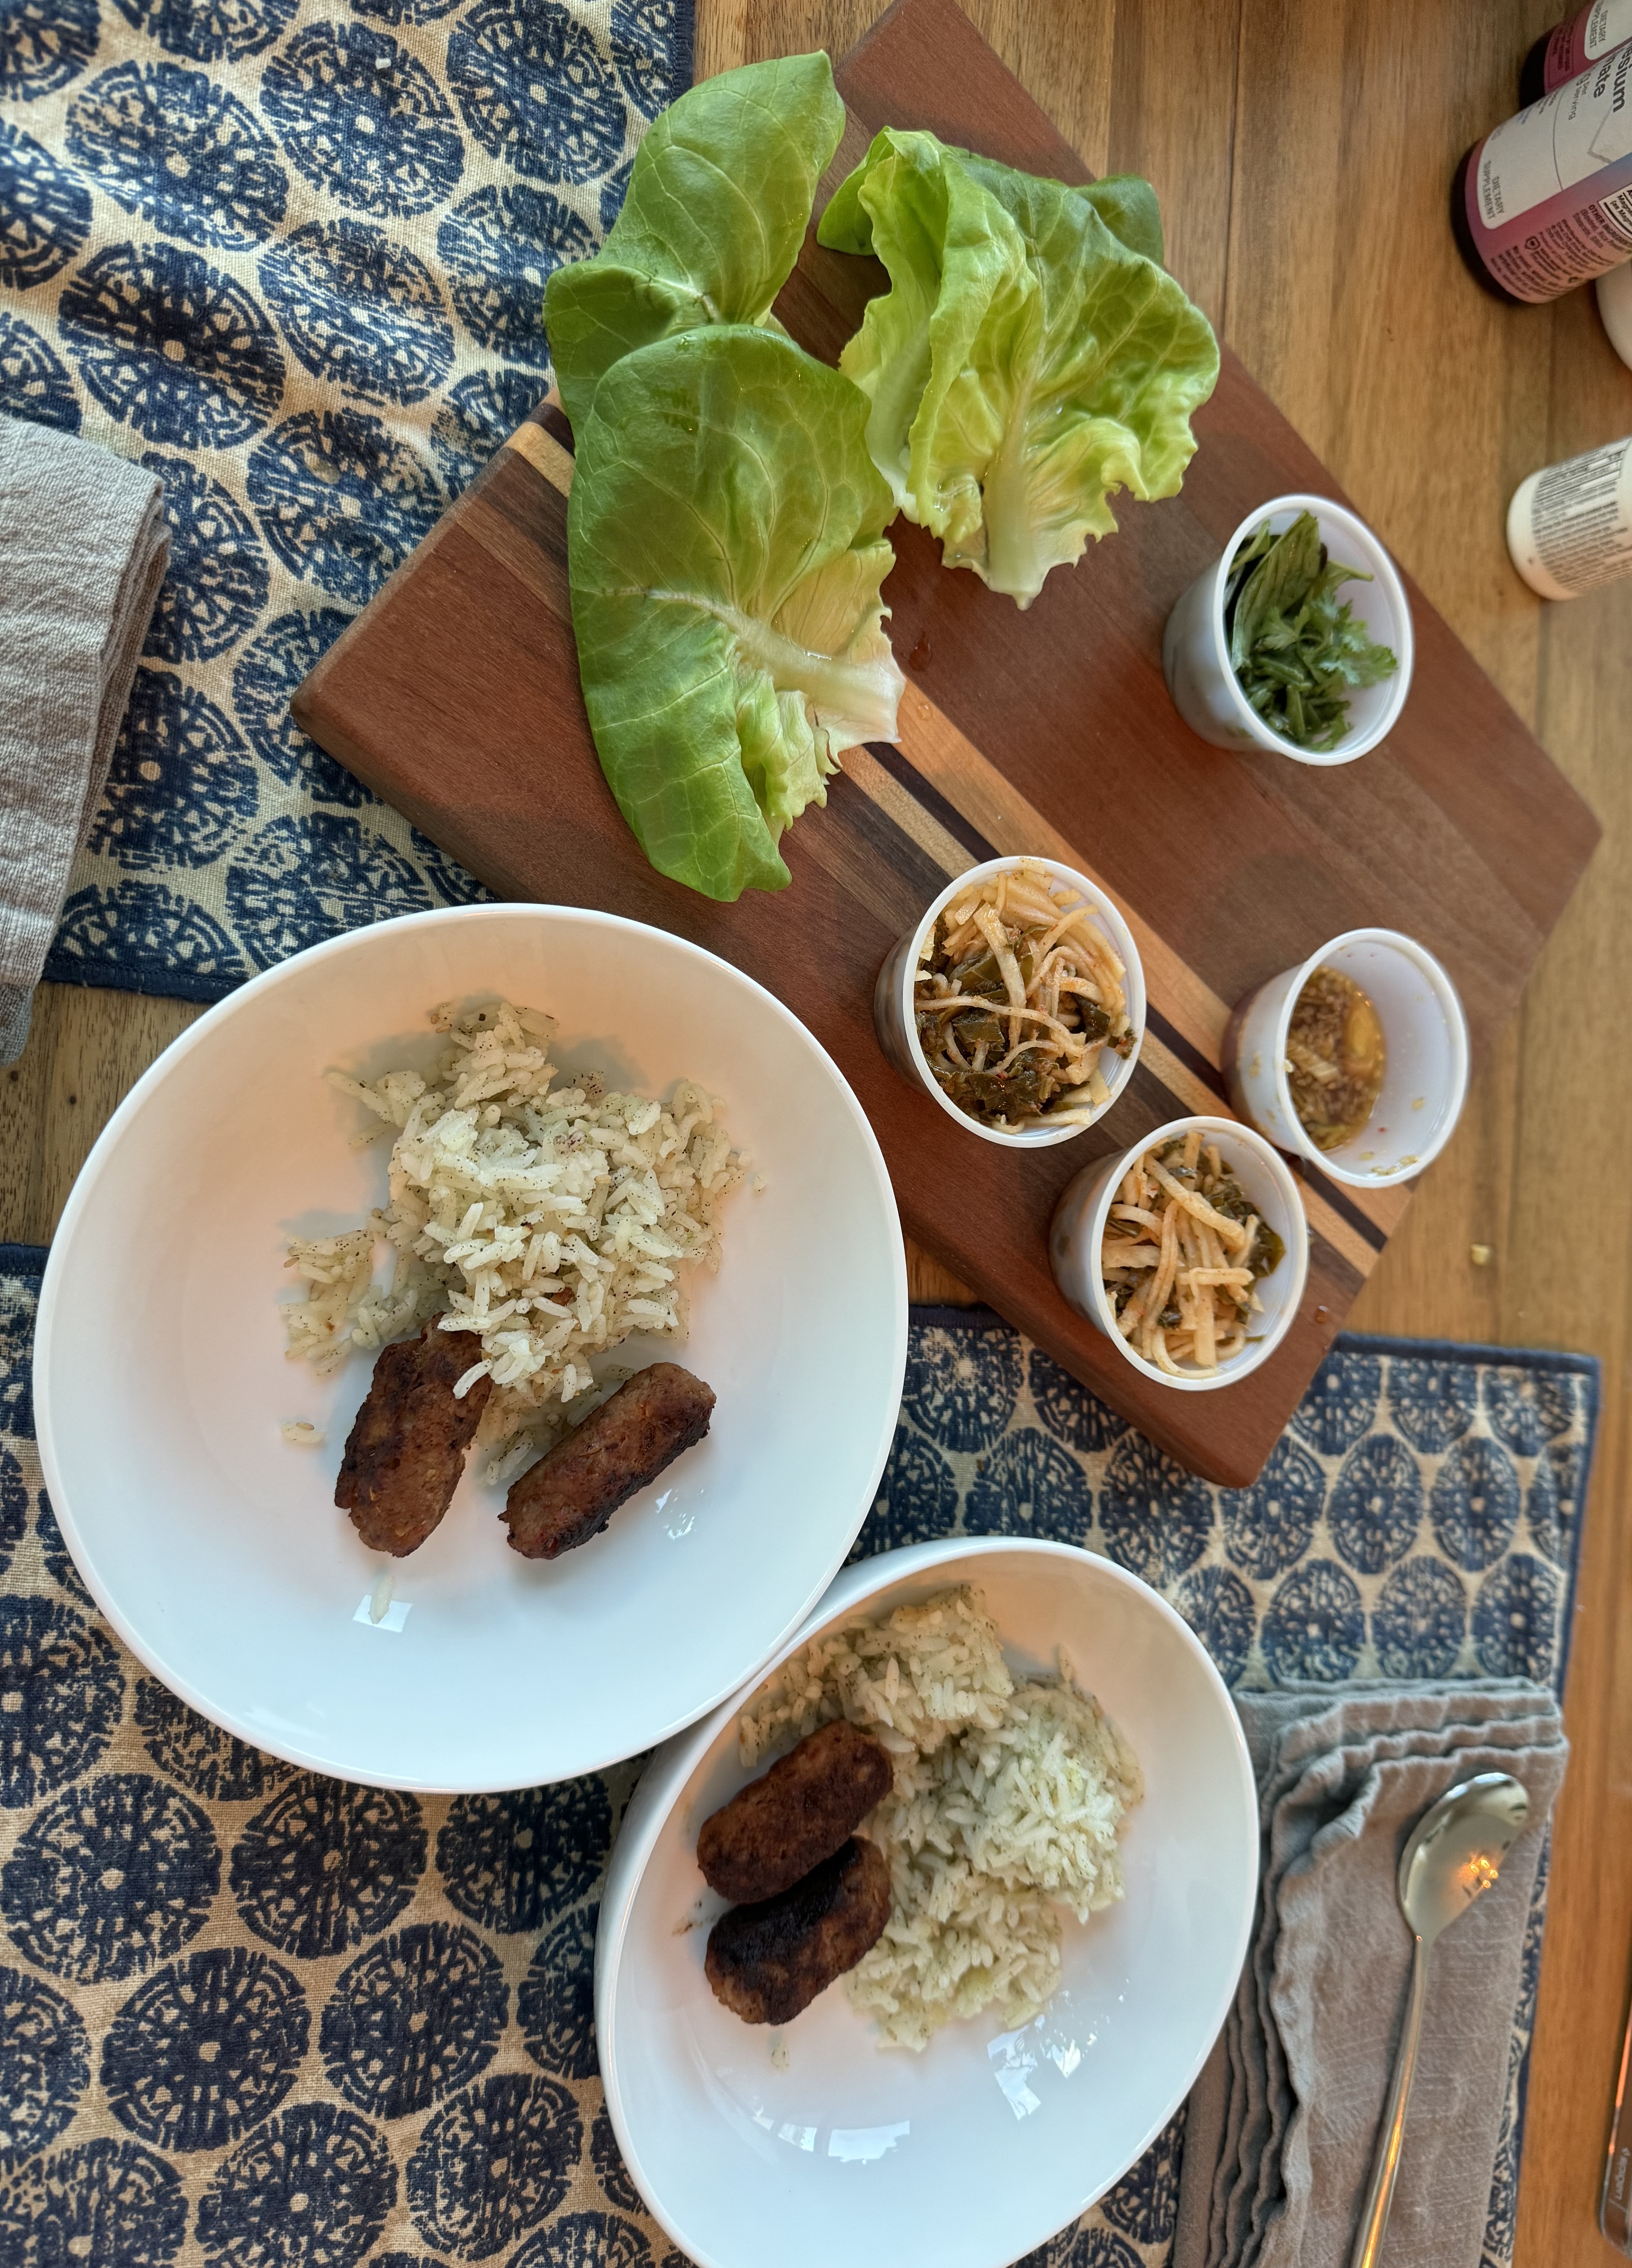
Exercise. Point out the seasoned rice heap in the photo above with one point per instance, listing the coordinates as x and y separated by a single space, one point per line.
1006 1807
550 1225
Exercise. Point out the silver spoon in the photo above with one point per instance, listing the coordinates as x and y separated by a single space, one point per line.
1453 1856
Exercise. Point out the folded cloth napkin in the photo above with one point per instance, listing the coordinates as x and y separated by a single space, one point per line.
1283 2121
82 548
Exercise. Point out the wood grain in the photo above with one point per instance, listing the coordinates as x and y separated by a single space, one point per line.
455 697
86 1051
1347 300
1331 269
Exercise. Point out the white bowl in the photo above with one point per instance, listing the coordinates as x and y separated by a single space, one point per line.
898 1034
1078 1231
1195 652
1425 1074
215 1549
979 2149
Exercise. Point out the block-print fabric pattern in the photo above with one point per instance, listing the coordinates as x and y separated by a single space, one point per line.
1419 1517
291 255
250 2018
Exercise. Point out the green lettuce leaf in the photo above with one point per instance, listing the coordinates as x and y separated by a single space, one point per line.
1126 202
719 199
1026 362
726 543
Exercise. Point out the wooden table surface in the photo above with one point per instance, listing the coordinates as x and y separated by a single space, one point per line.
1302 155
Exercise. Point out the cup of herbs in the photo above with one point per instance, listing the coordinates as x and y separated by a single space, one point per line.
1296 639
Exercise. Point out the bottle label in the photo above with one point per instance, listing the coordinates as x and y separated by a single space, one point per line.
1581 519
1549 193
1585 39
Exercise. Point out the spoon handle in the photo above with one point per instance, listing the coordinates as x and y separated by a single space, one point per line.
1386 2164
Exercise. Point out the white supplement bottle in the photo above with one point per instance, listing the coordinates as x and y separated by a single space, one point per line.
1569 526
1615 306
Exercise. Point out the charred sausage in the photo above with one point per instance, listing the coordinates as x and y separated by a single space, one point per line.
766 1961
573 1491
407 1449
782 1825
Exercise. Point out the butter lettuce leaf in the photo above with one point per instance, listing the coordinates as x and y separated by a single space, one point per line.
726 546
1028 359
719 199
1126 202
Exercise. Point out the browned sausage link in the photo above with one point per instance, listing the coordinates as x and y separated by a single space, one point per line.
407 1449
572 1492
768 1961
780 1826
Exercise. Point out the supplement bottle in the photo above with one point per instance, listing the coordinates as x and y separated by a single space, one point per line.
1570 526
1565 51
1615 306
1545 202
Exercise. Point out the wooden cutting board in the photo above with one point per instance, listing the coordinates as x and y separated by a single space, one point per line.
455 695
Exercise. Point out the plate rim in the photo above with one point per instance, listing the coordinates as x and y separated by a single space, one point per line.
667 1777
59 1262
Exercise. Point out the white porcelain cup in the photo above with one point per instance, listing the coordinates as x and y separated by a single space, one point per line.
897 1029
1196 651
1425 1075
1078 1231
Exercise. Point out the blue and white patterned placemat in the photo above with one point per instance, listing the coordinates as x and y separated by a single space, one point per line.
1420 1517
291 255
253 2019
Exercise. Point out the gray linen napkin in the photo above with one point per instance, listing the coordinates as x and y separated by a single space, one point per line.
1282 2120
83 549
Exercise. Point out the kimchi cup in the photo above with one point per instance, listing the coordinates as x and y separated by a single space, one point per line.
1076 1235
896 1024
1425 1071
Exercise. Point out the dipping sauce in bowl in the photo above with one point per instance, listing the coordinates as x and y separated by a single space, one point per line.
1356 1059
1336 1057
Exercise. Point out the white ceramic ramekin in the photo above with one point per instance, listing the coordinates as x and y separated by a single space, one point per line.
1078 1229
1425 1078
898 1033
1196 651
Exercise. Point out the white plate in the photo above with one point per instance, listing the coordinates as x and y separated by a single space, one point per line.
980 2148
214 1546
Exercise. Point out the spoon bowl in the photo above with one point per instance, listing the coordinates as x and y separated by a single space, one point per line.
1455 1850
